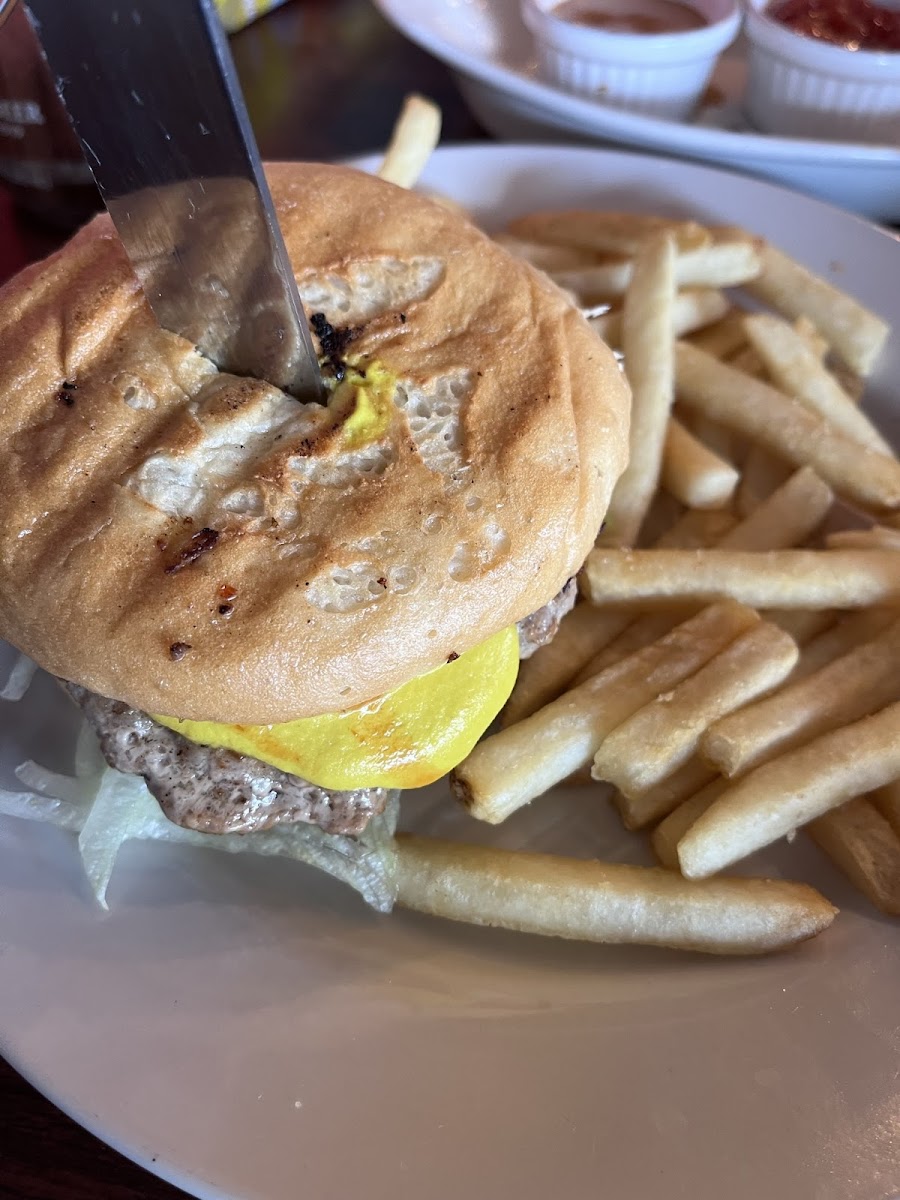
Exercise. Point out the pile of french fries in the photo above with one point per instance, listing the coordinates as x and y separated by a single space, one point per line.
733 666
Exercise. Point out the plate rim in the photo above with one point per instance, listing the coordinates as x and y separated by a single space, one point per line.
369 161
158 1165
652 132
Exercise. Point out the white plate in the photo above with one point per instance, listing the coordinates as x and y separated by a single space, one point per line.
246 1028
488 46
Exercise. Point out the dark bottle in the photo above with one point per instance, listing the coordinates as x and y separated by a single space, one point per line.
41 162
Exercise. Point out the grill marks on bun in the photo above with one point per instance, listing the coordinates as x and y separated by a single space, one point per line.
359 564
236 436
358 291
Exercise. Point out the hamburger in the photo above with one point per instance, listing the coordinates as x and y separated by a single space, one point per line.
277 612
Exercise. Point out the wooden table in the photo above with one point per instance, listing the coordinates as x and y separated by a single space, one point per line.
323 79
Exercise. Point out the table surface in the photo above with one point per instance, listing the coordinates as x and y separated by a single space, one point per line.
323 79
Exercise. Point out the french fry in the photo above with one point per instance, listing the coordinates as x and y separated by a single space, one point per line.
802 624
564 662
749 362
776 579
642 809
854 384
792 790
692 309
543 256
840 637
724 337
684 789
604 902
415 135
799 372
510 768
762 474
887 800
858 683
763 471
551 668
662 736
695 528
585 632
787 428
693 473
641 632
672 828
812 337
762 438
726 264
609 233
861 843
786 517
605 281
874 538
719 439
664 512
852 330
697 307
647 344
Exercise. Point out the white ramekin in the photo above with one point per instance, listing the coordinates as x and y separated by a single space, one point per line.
803 87
662 74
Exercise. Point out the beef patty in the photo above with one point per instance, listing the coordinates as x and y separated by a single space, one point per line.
214 790
540 628
218 791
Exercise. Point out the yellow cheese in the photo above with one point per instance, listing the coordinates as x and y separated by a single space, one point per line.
406 739
373 405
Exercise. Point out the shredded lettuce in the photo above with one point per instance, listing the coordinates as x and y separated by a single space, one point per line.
107 808
42 808
19 679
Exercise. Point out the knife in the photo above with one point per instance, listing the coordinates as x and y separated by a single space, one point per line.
153 96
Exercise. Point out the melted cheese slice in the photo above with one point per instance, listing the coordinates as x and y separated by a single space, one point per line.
406 739
373 404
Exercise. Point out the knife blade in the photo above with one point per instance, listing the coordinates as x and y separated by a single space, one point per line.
153 96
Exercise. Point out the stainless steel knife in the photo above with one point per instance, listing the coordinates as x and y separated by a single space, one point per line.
152 93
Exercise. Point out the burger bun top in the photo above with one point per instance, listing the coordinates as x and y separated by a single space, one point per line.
201 545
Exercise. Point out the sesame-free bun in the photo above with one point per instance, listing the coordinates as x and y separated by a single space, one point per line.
204 546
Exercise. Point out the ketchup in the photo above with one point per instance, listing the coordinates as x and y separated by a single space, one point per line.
854 24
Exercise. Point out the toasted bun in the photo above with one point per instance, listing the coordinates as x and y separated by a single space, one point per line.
340 573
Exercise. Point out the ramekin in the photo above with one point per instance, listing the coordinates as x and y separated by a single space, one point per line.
803 87
661 74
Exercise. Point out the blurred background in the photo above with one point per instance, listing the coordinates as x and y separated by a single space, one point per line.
323 79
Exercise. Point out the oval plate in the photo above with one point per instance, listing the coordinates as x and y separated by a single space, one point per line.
246 1028
494 57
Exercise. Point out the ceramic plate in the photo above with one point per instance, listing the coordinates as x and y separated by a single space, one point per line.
493 54
246 1028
